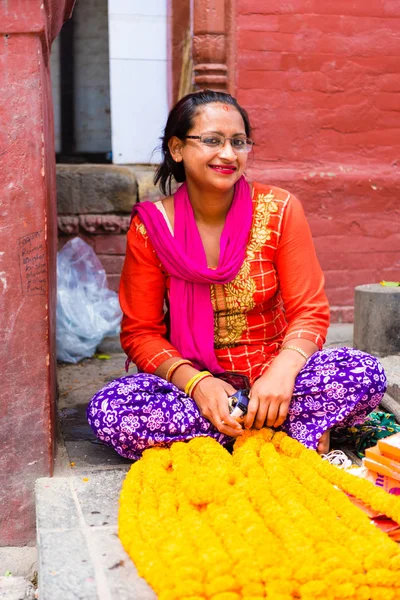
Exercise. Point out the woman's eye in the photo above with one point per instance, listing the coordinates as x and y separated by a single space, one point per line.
211 141
238 143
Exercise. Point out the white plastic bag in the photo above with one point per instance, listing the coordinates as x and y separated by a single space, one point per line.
87 310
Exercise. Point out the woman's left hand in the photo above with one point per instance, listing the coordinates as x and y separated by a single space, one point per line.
270 398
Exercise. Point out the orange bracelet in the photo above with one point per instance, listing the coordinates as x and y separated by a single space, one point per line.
175 366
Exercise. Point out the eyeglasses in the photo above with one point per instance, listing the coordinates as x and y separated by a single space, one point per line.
239 143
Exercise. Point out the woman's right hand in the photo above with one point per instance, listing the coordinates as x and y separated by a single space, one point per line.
211 396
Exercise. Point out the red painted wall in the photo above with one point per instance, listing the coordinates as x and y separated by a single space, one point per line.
321 82
27 259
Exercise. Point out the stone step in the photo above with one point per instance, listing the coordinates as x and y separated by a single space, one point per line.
16 588
80 555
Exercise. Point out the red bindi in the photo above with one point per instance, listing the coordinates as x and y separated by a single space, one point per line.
225 107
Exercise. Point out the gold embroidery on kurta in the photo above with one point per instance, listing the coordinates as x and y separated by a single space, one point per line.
233 300
141 229
260 232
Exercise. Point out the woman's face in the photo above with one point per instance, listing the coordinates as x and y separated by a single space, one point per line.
212 168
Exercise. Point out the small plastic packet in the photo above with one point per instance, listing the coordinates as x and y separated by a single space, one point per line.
238 404
87 311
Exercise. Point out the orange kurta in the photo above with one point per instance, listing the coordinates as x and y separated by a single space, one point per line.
277 296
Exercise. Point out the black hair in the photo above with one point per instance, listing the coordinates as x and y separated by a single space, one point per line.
180 121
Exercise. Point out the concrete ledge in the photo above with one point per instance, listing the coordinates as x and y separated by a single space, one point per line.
80 555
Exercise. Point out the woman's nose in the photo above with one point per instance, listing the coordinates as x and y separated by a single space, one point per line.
227 151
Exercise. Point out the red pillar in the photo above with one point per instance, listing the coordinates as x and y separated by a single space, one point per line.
213 23
27 258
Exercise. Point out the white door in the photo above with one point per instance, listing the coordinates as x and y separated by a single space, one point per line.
138 78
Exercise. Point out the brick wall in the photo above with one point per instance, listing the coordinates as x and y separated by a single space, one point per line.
321 82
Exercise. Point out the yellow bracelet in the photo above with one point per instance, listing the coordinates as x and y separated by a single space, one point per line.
175 366
196 383
189 387
296 349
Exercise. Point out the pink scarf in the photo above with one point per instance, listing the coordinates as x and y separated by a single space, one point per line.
183 257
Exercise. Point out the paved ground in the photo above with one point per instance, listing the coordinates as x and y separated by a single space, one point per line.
77 384
80 554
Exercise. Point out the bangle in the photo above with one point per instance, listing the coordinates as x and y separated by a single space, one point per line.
296 349
175 366
196 383
191 384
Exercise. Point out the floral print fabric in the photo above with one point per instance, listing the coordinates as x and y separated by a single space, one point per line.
337 388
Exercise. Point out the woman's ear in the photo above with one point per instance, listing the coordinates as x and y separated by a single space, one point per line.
175 148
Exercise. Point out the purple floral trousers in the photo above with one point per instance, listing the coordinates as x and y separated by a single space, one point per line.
337 387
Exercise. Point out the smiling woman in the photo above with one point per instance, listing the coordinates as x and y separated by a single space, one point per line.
235 266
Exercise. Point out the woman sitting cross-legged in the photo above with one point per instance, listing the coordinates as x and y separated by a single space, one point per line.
221 290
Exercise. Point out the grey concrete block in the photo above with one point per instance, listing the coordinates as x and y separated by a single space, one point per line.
98 497
391 364
66 571
377 319
16 588
122 577
55 506
85 189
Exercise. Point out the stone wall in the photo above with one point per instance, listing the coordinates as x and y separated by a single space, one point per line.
321 82
94 202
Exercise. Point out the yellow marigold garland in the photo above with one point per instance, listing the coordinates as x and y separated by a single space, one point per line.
271 521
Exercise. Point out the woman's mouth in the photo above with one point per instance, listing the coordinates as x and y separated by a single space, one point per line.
223 169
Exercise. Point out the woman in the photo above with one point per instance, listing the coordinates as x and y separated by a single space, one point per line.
235 267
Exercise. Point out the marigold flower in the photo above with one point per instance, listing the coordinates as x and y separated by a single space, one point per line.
223 583
253 589
270 521
343 590
382 593
226 596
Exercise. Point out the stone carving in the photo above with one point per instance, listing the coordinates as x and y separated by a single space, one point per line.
68 224
93 224
211 29
209 49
